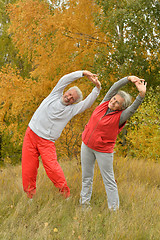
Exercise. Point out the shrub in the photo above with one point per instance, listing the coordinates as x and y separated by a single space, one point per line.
143 138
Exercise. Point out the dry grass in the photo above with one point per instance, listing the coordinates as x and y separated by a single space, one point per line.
49 216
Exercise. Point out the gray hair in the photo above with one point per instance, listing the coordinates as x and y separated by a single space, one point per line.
127 98
80 95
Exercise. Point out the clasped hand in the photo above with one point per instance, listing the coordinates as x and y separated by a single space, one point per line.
93 78
140 84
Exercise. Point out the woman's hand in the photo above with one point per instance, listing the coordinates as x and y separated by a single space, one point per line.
135 79
141 86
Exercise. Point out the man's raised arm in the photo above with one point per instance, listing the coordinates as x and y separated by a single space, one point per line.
69 78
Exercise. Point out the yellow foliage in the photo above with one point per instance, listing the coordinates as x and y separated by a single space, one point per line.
12 93
55 42
143 132
58 39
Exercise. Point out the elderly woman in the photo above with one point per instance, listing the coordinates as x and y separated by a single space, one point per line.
99 137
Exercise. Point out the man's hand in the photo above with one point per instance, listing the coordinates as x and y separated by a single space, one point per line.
93 78
98 84
141 86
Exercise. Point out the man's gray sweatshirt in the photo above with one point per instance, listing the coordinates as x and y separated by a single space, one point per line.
52 115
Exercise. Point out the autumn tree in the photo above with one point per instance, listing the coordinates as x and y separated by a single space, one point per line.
112 38
143 135
7 48
133 28
54 41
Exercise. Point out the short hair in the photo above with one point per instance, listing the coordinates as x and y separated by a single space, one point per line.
127 98
80 95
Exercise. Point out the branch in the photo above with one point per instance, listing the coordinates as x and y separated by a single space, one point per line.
90 38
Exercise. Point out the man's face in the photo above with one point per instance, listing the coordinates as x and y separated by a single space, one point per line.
116 103
70 97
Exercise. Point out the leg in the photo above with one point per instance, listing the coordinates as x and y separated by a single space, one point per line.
30 163
53 169
105 163
87 162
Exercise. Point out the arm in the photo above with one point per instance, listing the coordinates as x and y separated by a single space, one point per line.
69 78
128 112
93 78
66 80
117 85
86 103
114 89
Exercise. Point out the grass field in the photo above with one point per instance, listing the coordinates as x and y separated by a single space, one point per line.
49 216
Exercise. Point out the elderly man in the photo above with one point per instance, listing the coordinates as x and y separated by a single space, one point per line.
46 126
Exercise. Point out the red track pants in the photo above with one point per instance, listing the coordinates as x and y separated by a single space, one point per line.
33 147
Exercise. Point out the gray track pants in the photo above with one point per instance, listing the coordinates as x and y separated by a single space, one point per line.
105 163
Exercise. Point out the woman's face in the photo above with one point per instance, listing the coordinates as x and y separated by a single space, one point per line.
116 103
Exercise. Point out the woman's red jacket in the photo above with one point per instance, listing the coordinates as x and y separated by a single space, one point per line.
101 131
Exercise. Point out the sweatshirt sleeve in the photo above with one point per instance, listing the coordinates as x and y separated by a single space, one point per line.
86 103
128 112
66 80
114 89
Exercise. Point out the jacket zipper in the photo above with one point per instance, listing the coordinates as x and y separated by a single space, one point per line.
96 126
94 129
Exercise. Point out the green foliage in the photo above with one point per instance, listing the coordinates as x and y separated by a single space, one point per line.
10 152
143 130
133 29
9 53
